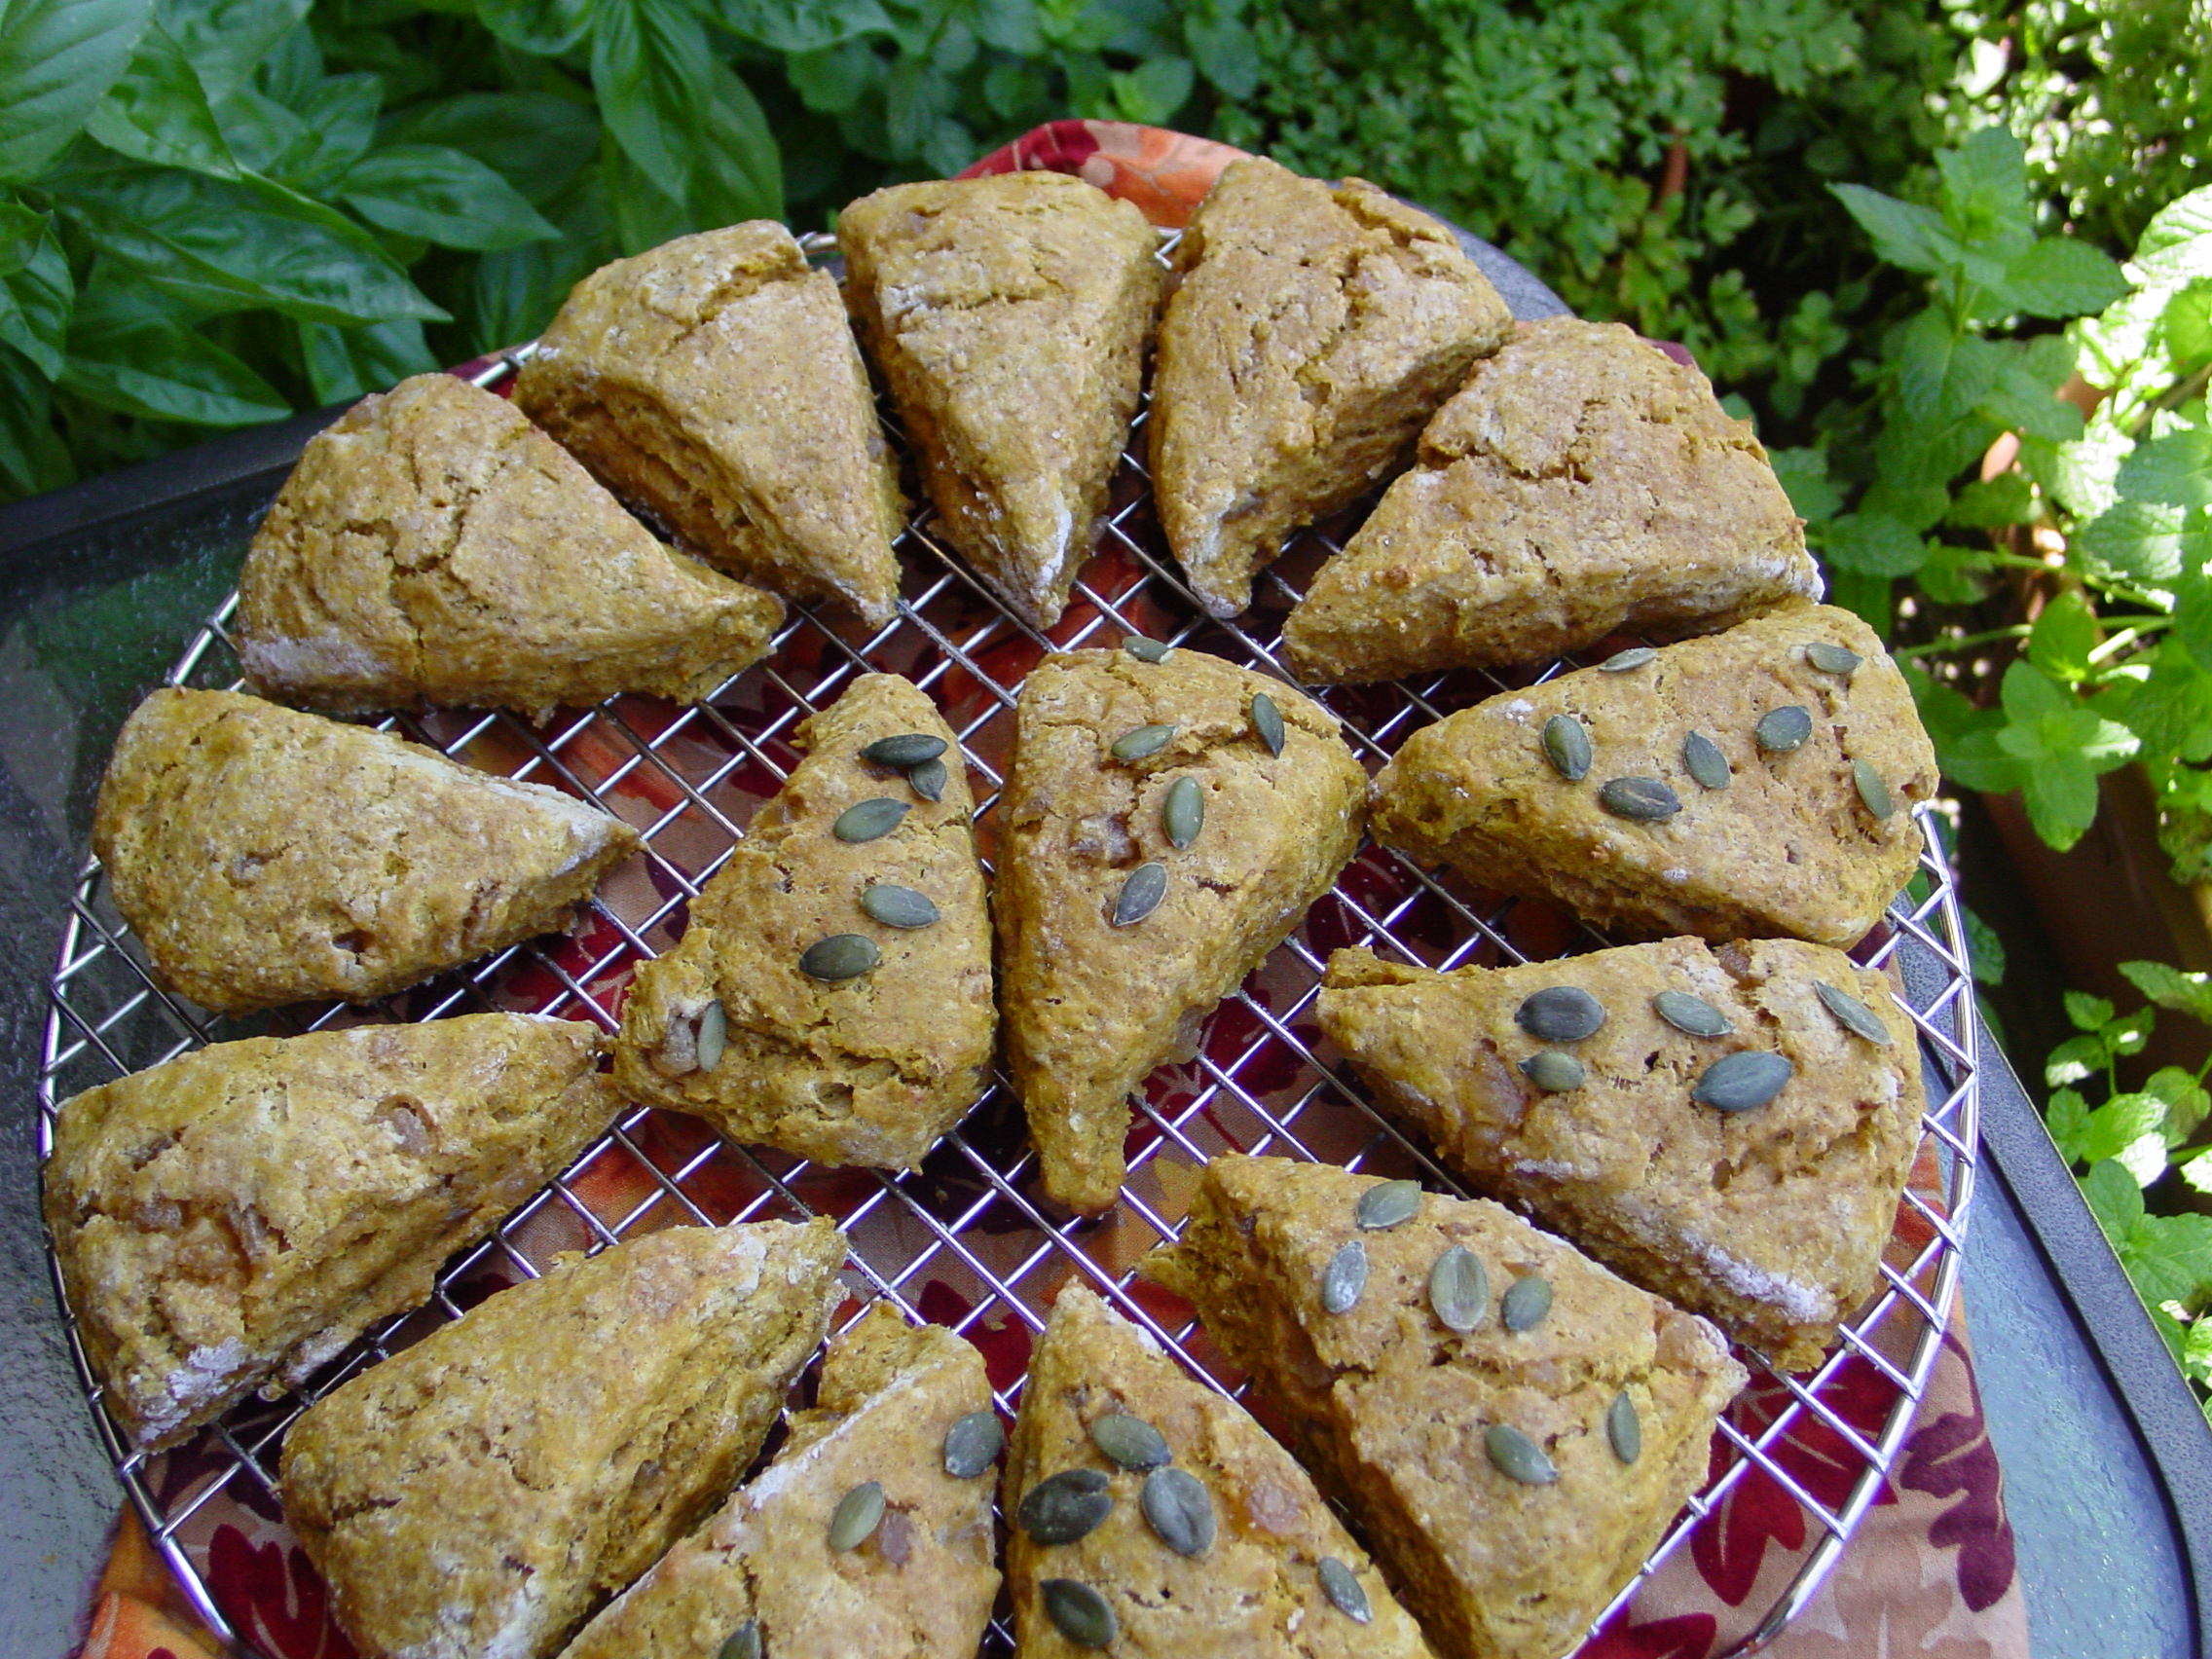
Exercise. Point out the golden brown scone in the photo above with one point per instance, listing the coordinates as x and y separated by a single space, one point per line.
436 546
919 1585
1581 483
264 856
1769 1221
714 383
1253 1589
482 1492
1314 331
1414 1425
1011 315
1090 1008
869 1069
1813 840
242 1212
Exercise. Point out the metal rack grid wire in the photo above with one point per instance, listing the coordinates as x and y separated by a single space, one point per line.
967 1239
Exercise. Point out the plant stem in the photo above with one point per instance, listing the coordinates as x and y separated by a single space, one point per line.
2017 631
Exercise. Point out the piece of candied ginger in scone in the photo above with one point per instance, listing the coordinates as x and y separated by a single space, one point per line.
262 856
241 1213
434 547
714 383
1212 1540
1113 942
482 1492
1011 315
917 1582
757 1023
1510 1425
1314 330
1730 786
1768 1219
1582 483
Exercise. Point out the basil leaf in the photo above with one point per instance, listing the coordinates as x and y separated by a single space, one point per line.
546 28
20 231
442 195
536 141
228 40
654 76
127 353
157 112
802 25
35 306
31 452
58 59
343 363
514 292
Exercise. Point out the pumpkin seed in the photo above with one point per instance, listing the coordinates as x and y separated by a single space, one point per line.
713 1036
1067 1506
1527 1299
1832 659
1345 1278
1555 1071
859 1513
1640 799
1517 1457
1624 1428
1145 740
1743 1081
1560 1013
1342 1588
743 1642
928 779
1853 1016
1620 662
840 956
1703 761
1267 721
1388 1204
1079 1612
908 749
1567 746
1130 1441
973 1444
1780 730
1180 1509
869 820
1693 1015
1873 793
1459 1289
1140 894
1147 651
1184 812
899 906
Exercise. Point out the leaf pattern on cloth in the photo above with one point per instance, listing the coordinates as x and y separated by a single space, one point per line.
1951 1455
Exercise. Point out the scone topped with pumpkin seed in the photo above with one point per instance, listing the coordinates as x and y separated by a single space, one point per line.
1582 483
832 993
713 382
870 1534
1510 1425
1167 821
1314 331
1011 315
1731 1128
1148 1514
1755 783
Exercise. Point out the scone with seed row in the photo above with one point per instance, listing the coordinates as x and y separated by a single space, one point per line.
1011 315
264 856
434 547
714 383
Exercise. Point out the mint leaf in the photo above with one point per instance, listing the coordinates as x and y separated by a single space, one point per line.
2132 542
1985 191
1155 90
2063 636
443 197
58 59
2196 1170
1873 545
2171 709
1224 52
2116 1201
1990 503
2169 1257
2067 1117
1908 236
2175 469
2118 1124
2177 242
2185 1101
2169 987
1803 474
2076 1061
1953 575
2059 277
2087 1012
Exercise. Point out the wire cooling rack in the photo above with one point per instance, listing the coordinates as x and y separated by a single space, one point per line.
968 1240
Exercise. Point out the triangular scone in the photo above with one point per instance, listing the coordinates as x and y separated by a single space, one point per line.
1581 483
486 1490
1769 1221
1495 1470
242 1212
714 383
866 1068
1315 329
434 547
918 1584
1092 1006
1254 1587
1011 315
1802 823
262 856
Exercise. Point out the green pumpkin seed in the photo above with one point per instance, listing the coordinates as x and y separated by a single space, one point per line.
1459 1289
743 1642
899 908
1780 730
1853 1016
1079 1612
859 1513
1873 793
1147 651
1620 662
1692 1015
1555 1071
1517 1457
1560 1013
1144 741
840 956
1389 1204
973 1444
1567 746
1832 659
1180 1509
1184 812
869 821
928 779
1267 721
1345 1278
1624 1428
713 1036
1527 1299
908 749
1641 798
1703 761
1140 894
1130 1441
1066 1508
1743 1081
1342 1588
